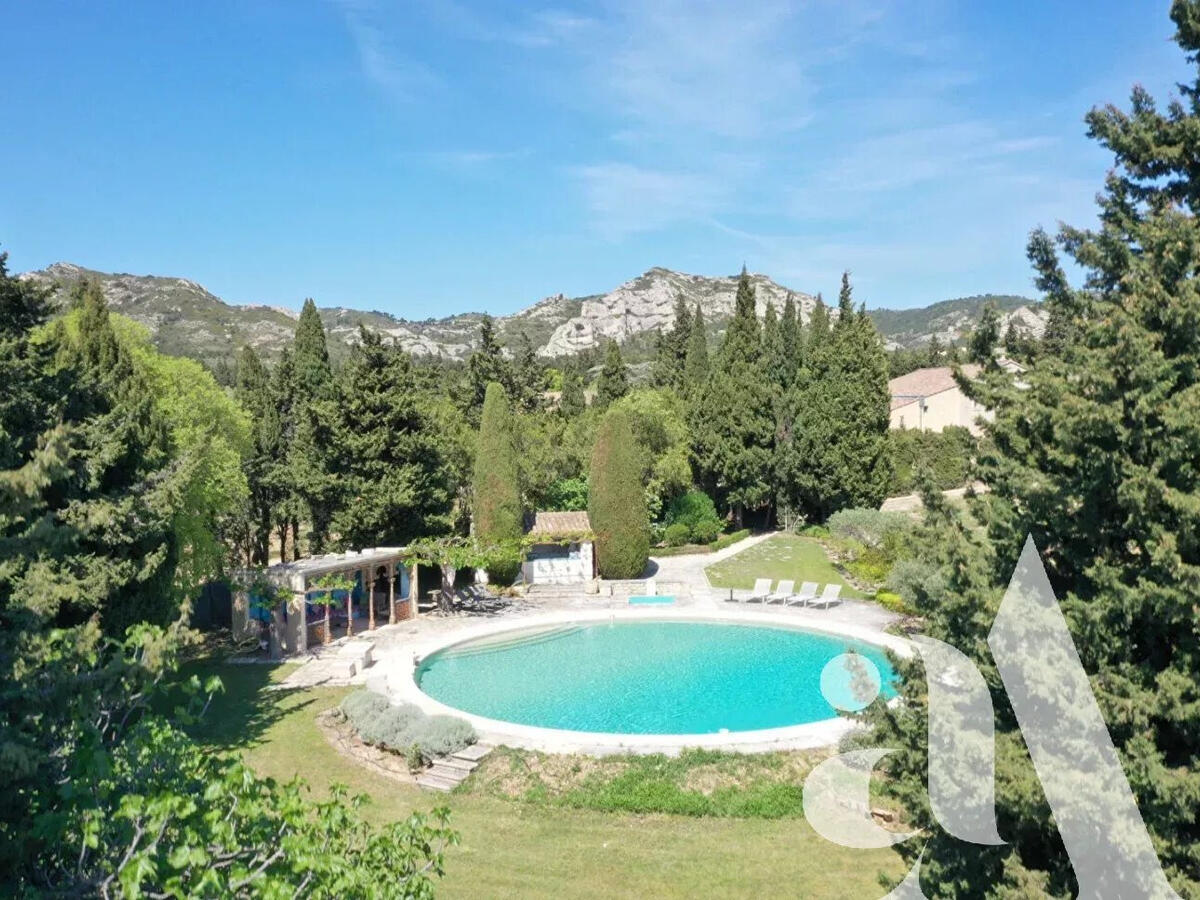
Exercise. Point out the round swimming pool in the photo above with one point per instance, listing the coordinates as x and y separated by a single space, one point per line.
661 677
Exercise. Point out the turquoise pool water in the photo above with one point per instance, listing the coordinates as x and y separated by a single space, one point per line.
651 677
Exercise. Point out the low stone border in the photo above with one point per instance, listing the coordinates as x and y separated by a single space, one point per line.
395 677
343 738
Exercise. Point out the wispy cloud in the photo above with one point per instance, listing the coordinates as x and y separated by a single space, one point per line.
400 77
626 199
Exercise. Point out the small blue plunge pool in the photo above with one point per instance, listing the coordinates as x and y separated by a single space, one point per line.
657 677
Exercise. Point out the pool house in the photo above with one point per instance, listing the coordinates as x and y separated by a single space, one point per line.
371 587
562 551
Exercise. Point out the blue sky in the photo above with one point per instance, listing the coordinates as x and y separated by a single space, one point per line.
432 157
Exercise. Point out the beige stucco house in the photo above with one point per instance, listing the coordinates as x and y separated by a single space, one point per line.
930 399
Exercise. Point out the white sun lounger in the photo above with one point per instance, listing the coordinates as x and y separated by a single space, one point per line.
782 592
808 593
762 590
830 596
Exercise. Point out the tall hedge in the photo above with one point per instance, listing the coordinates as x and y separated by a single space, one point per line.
497 511
616 502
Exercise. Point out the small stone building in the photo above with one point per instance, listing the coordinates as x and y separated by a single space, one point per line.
562 552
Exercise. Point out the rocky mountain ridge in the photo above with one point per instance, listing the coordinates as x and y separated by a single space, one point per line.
185 319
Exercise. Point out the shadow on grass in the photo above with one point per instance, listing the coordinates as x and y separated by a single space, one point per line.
240 715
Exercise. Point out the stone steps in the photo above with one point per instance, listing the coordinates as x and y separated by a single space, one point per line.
448 772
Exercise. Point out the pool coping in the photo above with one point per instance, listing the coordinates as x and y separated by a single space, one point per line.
401 686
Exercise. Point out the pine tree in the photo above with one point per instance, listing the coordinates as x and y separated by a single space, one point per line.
390 480
986 335
733 423
613 381
616 500
695 364
1092 453
670 351
91 489
498 516
934 351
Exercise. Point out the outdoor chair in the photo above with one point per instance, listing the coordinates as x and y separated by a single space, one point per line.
830 596
784 590
808 593
762 589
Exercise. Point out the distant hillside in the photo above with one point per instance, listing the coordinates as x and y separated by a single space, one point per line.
951 320
186 320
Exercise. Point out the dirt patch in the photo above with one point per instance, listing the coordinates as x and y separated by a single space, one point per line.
342 736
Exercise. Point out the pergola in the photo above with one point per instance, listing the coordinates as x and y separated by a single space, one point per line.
290 624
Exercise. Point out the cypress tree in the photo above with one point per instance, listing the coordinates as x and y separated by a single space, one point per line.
818 327
312 440
573 401
613 382
791 335
391 481
310 355
527 376
832 450
486 364
774 351
288 508
498 516
733 422
671 347
695 367
253 391
616 499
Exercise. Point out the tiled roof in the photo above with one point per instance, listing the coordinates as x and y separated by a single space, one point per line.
560 523
925 383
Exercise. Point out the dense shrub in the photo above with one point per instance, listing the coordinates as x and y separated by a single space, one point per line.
946 454
919 584
677 535
567 494
362 706
389 727
706 531
504 563
892 601
617 503
438 735
870 527
728 540
696 512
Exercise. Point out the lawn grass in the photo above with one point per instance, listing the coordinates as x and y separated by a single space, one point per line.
781 556
516 849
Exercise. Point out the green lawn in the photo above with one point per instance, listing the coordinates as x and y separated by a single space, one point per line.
516 849
782 556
